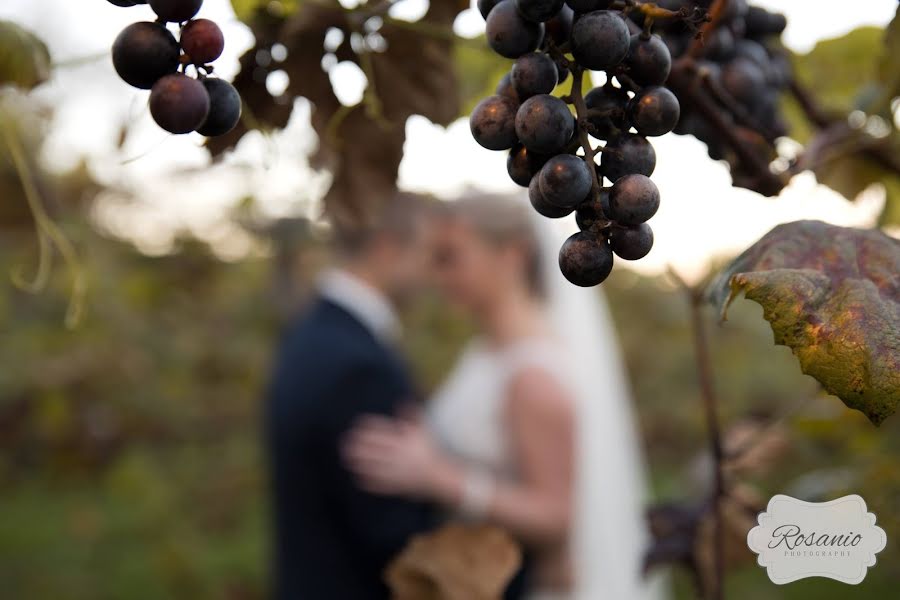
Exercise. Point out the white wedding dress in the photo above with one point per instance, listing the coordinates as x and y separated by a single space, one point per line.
467 417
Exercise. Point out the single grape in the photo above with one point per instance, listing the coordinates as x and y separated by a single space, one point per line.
544 124
586 259
176 11
648 60
508 34
178 103
485 6
522 164
143 53
600 40
505 88
565 180
562 73
720 44
627 154
592 212
633 199
753 51
743 79
538 11
631 243
493 123
224 107
559 28
123 3
654 111
540 204
607 98
761 23
533 73
202 41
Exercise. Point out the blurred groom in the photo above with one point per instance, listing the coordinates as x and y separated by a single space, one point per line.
336 363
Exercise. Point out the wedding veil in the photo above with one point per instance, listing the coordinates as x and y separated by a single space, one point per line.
610 532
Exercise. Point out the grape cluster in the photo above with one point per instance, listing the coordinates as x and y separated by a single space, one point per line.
147 55
745 71
550 151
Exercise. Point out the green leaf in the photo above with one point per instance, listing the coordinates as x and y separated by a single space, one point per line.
832 295
24 58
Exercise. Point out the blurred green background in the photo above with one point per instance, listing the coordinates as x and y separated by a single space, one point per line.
131 463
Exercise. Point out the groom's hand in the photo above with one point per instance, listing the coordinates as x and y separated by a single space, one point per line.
398 456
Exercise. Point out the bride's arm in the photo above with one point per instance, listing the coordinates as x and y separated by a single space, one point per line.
398 457
537 505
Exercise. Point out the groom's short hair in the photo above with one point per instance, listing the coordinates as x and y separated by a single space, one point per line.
399 217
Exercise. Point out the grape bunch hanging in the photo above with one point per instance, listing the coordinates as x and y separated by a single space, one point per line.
147 56
550 41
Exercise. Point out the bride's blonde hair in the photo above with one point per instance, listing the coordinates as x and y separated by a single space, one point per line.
503 220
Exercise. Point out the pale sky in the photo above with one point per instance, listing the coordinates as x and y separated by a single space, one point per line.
701 215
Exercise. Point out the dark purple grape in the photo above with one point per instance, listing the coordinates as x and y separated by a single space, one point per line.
627 154
176 11
224 107
648 60
562 73
654 111
538 11
753 51
585 6
508 34
532 74
559 28
743 79
544 124
143 53
607 98
565 180
505 88
600 40
202 41
633 199
586 259
631 243
593 212
493 122
540 204
522 164
485 6
761 23
123 3
720 44
178 103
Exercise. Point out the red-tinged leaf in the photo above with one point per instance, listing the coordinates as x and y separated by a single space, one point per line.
832 295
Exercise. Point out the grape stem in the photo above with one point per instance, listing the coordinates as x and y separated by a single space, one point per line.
581 112
881 154
698 45
710 402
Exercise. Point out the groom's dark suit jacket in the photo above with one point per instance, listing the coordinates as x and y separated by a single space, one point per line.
333 540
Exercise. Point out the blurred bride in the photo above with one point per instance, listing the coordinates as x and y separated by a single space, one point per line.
533 429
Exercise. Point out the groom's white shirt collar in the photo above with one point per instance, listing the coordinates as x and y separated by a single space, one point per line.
365 303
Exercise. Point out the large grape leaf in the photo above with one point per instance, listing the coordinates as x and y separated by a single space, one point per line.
832 295
24 58
413 73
